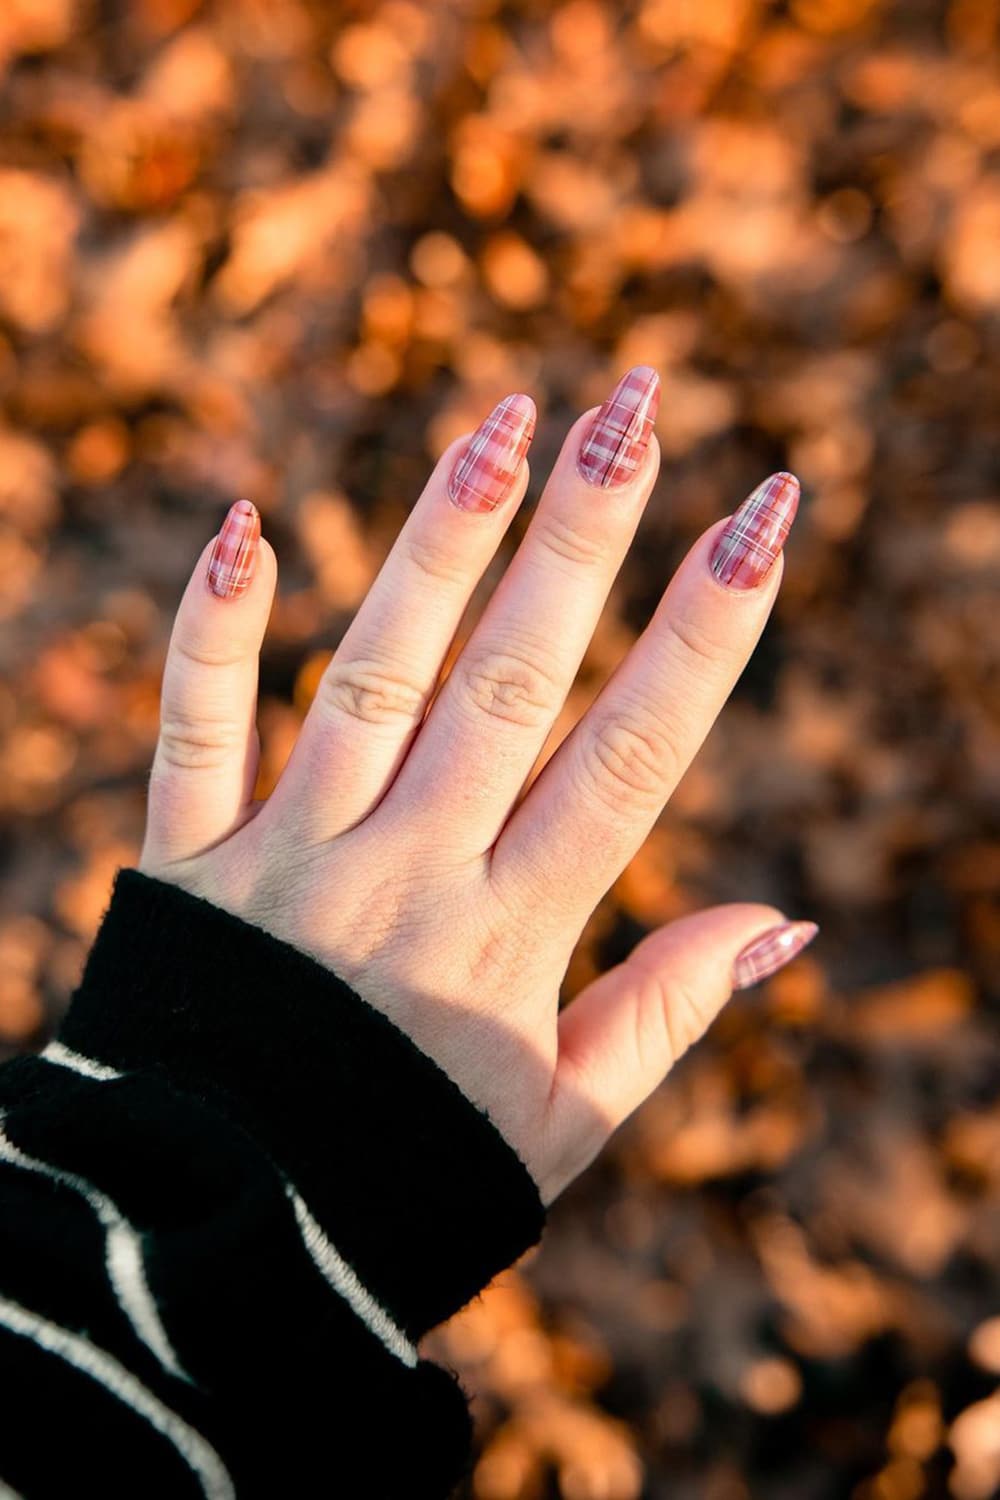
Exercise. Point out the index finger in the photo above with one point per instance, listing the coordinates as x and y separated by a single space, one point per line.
599 795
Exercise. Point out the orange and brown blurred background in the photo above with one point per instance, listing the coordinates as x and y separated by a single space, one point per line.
289 250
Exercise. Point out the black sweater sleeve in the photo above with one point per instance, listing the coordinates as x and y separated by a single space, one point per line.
233 1198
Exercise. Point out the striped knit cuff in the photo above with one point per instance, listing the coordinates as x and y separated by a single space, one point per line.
401 1183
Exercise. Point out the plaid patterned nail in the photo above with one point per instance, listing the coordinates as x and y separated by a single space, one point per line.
756 533
770 952
485 470
618 437
230 566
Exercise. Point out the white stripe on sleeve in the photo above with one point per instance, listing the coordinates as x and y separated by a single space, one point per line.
329 1262
102 1367
122 1252
55 1052
344 1280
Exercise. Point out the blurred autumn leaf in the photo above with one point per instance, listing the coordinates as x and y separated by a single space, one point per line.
293 250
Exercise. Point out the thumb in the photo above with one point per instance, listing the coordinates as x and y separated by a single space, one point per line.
624 1032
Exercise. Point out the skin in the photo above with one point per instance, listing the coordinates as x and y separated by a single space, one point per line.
399 848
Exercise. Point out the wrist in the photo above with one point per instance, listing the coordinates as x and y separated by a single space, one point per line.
411 1182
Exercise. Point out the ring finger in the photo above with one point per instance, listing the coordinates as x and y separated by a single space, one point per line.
375 689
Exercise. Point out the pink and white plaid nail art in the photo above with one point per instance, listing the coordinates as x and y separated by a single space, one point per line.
230 567
756 533
613 449
770 952
485 471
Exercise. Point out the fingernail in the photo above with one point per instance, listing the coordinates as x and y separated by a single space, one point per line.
485 471
756 533
619 435
770 952
230 567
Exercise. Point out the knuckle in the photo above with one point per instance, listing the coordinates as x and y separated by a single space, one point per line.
668 1018
366 691
697 647
490 960
654 1039
433 562
522 891
500 951
202 653
630 762
508 686
568 542
190 744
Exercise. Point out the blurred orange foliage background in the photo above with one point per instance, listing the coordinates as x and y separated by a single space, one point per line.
289 250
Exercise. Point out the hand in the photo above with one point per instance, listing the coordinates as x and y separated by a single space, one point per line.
399 848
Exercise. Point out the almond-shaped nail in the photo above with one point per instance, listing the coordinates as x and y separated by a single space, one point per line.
230 567
770 952
756 533
618 437
485 470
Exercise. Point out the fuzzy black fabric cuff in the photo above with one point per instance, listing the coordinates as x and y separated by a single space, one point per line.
410 1181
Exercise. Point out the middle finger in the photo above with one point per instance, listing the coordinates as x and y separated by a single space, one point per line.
491 717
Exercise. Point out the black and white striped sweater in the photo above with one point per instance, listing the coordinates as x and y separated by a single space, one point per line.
233 1198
